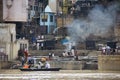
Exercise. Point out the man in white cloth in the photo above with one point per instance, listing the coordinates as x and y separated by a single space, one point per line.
47 65
108 50
40 65
103 50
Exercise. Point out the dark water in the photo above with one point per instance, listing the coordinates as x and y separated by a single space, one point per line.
58 75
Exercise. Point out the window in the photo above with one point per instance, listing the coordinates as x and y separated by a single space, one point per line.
25 45
30 7
44 18
36 8
28 16
21 46
60 3
51 18
11 37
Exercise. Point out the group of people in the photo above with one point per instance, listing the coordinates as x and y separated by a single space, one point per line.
28 61
70 53
107 50
43 63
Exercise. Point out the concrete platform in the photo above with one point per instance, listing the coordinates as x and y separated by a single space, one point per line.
109 62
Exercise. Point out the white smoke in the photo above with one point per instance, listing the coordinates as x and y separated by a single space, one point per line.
98 22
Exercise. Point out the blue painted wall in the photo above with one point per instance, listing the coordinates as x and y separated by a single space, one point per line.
50 21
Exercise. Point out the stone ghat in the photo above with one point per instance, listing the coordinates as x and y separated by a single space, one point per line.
109 62
5 64
60 75
59 52
68 65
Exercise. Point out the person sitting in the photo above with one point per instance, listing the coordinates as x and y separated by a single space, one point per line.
40 65
47 65
31 62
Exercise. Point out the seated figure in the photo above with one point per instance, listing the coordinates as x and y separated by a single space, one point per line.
47 65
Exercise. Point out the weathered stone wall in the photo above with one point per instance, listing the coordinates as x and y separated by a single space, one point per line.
59 52
15 10
8 43
7 39
109 62
4 64
68 65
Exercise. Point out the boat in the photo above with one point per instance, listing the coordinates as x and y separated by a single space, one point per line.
35 69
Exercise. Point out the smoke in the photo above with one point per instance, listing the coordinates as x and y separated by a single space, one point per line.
98 22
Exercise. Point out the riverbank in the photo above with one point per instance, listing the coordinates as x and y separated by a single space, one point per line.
59 75
85 57
17 71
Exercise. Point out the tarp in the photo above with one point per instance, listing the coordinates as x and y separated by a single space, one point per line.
64 41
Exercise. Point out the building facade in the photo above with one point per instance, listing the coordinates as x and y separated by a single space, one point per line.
15 10
9 45
47 21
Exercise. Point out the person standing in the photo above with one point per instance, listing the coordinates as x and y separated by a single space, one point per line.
20 54
103 50
42 46
72 52
108 50
26 54
38 46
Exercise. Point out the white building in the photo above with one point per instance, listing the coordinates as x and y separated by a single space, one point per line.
8 43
